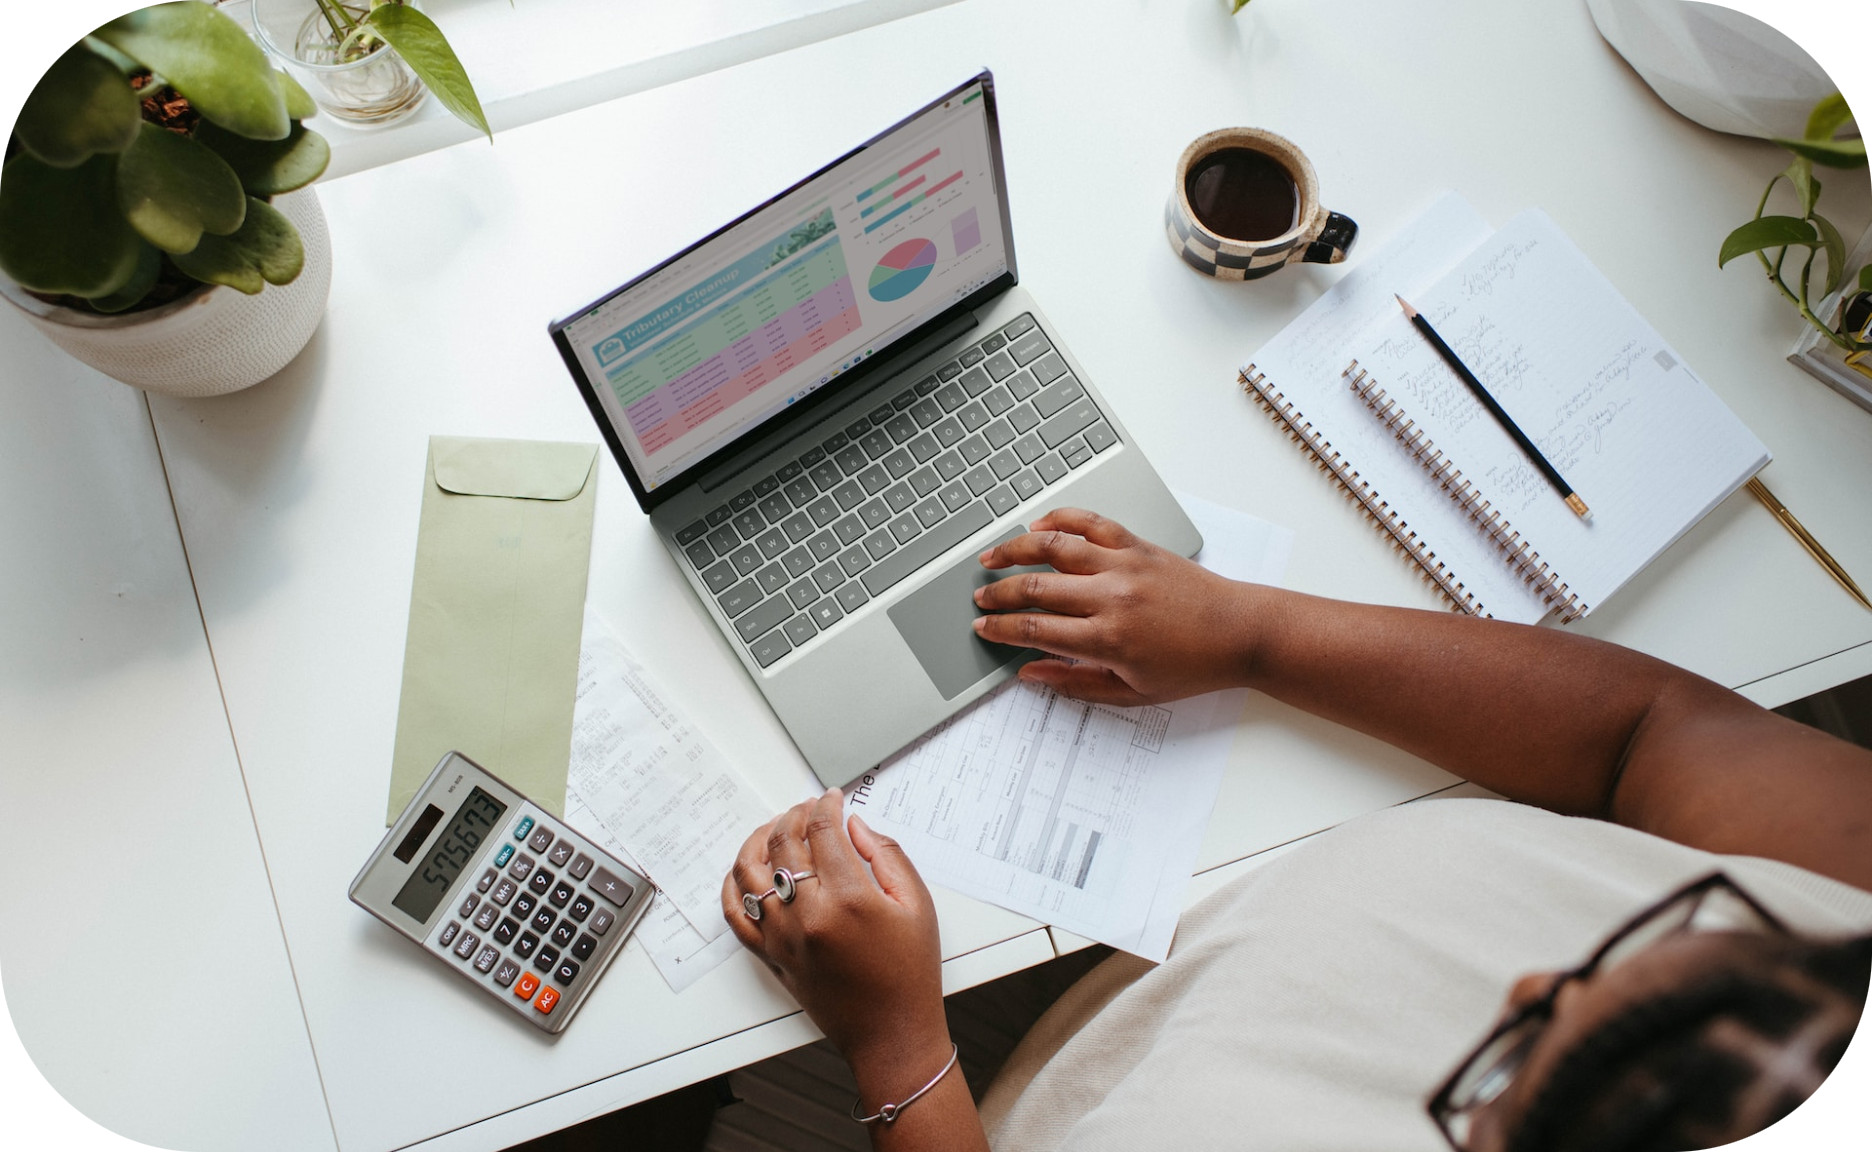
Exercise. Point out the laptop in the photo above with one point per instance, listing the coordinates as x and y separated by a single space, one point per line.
830 406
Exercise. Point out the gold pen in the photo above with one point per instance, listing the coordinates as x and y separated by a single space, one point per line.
1800 532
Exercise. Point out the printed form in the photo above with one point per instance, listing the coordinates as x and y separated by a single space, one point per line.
1081 815
650 787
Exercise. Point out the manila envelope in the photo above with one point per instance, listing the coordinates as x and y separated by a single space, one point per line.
490 665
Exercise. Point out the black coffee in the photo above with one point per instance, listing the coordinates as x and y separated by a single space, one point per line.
1242 194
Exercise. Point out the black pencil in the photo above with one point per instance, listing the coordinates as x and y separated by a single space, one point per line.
1573 500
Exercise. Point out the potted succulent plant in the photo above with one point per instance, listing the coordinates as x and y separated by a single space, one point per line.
153 186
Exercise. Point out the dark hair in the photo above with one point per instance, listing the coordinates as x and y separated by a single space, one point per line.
1667 1076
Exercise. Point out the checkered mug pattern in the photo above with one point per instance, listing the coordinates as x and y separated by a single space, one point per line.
1318 236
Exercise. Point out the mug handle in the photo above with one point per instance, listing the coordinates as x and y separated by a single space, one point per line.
1334 241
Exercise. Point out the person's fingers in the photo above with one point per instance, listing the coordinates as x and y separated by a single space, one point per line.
895 874
744 928
786 839
751 870
1083 682
1063 551
1069 595
1061 635
833 859
1104 532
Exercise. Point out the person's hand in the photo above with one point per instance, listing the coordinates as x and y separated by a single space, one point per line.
1147 624
859 954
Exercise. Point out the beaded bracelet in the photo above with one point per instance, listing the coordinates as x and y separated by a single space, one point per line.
889 1112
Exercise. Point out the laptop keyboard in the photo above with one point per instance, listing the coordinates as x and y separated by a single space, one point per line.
790 557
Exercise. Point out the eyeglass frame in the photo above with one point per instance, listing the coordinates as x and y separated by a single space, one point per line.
1440 1107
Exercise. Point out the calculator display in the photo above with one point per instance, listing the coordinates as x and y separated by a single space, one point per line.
436 874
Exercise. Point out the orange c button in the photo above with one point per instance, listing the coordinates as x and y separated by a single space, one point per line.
547 998
524 989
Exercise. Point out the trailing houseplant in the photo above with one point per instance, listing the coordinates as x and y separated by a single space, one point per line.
1773 238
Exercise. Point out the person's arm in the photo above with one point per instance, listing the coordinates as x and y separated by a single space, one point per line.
858 949
1545 717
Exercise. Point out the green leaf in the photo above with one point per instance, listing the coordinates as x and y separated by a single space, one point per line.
1835 245
265 251
1766 232
299 102
148 268
172 189
1826 117
209 58
270 167
1832 153
60 229
1238 6
1800 174
423 47
83 105
1865 278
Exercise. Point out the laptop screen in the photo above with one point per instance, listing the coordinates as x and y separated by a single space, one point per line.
697 353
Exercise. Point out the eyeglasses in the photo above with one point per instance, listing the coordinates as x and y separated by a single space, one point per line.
1711 904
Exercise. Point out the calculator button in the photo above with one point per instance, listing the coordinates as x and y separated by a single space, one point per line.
611 887
468 905
509 928
504 975
542 881
581 866
601 921
466 945
503 892
587 944
448 935
521 829
541 839
543 920
547 999
487 880
547 959
580 909
562 935
566 973
485 918
527 943
484 963
522 865
525 989
524 905
561 893
560 855
504 855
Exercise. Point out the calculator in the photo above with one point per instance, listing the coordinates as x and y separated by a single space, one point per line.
502 892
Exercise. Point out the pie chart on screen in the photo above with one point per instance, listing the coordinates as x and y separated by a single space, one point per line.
903 270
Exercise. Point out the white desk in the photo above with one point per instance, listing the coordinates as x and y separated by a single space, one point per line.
298 500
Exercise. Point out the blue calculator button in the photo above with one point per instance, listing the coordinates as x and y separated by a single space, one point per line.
521 829
504 855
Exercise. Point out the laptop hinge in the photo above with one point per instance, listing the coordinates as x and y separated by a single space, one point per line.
911 353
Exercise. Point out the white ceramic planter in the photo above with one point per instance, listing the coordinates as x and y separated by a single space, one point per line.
212 342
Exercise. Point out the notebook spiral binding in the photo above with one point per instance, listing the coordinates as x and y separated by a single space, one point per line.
1545 582
1358 491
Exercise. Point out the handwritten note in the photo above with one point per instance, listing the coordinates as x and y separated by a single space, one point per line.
1305 362
1615 409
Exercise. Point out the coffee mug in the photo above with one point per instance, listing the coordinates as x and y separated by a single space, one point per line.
1246 203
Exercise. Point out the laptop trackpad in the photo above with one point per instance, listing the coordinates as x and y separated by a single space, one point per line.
935 622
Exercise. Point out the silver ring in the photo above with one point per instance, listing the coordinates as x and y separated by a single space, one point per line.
786 883
751 904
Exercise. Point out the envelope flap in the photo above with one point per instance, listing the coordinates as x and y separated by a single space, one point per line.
528 469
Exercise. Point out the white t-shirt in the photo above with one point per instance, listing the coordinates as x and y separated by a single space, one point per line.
1319 1003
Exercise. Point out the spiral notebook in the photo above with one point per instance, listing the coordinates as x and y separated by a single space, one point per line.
1621 415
